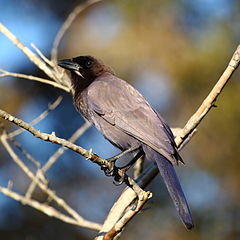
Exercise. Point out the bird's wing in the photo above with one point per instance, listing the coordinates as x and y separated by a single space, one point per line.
124 107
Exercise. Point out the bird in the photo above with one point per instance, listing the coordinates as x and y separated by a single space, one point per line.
127 120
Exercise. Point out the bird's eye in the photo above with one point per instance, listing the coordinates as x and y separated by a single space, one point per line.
88 63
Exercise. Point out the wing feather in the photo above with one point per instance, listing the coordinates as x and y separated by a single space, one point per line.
121 105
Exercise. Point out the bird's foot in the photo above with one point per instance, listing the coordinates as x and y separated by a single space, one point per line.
110 169
120 177
119 173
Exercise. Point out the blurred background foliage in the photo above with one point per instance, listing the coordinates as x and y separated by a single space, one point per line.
173 52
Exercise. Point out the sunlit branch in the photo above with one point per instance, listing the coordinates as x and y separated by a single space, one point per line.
46 209
32 57
44 188
60 151
38 79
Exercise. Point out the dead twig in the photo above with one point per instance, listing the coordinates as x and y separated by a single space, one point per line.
68 22
55 157
38 79
32 57
39 118
46 209
81 221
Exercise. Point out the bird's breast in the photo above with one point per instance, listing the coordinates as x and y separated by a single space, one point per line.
80 101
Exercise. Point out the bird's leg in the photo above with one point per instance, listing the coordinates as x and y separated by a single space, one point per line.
116 157
120 179
110 170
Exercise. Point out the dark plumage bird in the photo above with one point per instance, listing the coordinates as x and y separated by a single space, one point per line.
127 120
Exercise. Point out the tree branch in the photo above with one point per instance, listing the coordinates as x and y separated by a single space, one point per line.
39 118
81 221
29 77
56 155
103 163
68 22
46 209
33 57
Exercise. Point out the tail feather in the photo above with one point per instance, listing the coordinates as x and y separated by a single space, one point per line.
172 183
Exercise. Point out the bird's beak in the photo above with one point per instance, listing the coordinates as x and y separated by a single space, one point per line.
69 64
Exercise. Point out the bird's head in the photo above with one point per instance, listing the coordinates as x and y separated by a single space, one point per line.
86 68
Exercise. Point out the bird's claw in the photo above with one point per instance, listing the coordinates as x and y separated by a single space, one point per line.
119 173
109 170
119 179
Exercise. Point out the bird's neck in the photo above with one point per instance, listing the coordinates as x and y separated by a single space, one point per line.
79 84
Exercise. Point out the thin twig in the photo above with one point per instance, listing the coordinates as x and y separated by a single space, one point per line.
46 209
46 60
30 77
209 101
24 152
39 118
44 188
138 167
32 57
32 186
68 22
61 150
56 155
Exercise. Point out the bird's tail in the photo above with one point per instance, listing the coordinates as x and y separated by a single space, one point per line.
170 178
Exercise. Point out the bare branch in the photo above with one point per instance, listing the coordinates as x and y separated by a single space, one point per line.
72 16
56 155
39 118
46 209
118 227
46 60
186 140
81 221
32 57
126 200
29 77
61 150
